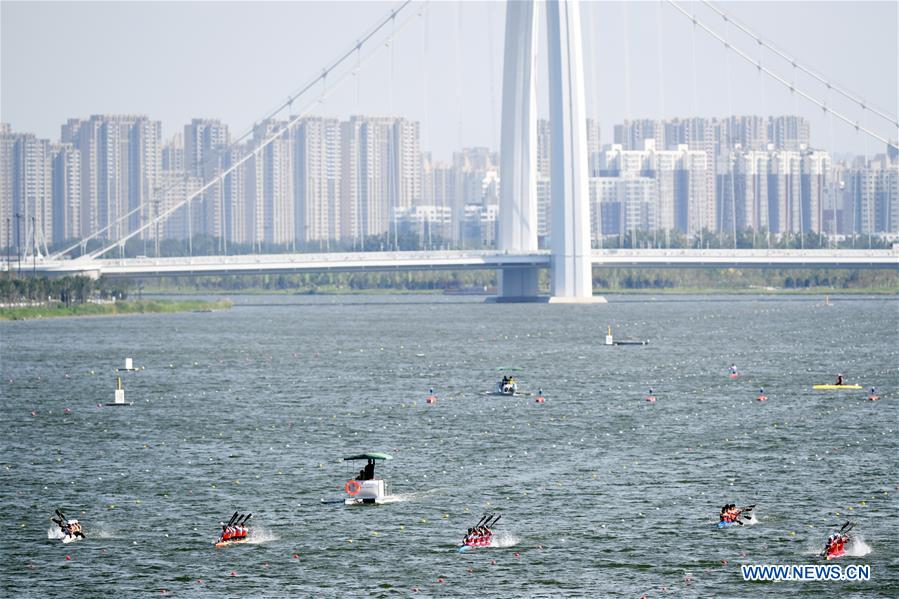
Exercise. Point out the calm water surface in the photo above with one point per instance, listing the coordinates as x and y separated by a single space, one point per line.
601 492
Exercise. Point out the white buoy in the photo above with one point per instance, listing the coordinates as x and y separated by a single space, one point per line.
609 340
119 388
119 394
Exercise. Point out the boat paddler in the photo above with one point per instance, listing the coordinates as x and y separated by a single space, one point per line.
840 380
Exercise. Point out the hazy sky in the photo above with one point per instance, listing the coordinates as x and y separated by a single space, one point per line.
236 60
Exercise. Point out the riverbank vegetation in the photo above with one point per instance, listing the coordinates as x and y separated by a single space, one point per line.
57 309
42 297
619 280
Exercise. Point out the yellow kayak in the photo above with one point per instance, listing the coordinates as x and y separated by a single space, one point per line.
848 387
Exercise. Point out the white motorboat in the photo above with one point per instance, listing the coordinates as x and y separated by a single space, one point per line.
366 488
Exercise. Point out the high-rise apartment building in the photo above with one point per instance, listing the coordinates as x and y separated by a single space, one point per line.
173 155
121 158
317 179
26 192
381 165
789 132
681 200
7 234
743 192
66 192
205 142
269 186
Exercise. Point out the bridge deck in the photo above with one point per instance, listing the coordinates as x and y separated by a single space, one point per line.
463 260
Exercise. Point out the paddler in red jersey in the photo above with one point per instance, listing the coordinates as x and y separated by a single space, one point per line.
836 543
481 535
731 513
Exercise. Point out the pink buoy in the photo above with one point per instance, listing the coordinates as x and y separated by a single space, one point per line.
431 399
68 558
233 573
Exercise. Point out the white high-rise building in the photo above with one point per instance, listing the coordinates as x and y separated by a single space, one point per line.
381 164
438 191
622 204
743 191
270 186
681 200
205 143
317 179
238 214
66 192
121 159
7 232
26 166
173 154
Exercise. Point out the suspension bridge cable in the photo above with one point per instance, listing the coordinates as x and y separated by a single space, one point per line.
372 32
258 149
732 121
791 86
854 97
595 85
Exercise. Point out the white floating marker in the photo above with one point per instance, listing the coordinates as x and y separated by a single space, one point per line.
129 365
119 394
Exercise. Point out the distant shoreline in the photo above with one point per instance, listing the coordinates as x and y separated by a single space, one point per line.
118 308
644 291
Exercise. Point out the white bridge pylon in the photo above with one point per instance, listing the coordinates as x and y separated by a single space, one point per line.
571 258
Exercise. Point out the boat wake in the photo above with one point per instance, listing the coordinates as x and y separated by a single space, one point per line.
258 536
504 538
54 533
399 497
857 547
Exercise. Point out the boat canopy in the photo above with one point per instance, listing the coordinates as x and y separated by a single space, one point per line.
373 455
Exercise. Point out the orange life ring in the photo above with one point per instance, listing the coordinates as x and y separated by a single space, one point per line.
352 487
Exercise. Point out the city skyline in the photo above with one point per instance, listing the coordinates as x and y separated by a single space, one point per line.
326 180
458 91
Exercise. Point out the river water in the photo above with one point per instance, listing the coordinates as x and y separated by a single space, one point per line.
601 492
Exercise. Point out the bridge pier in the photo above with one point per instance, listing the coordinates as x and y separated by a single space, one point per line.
518 285
571 264
518 153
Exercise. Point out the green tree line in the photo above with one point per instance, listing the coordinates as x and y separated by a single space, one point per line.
67 290
616 279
